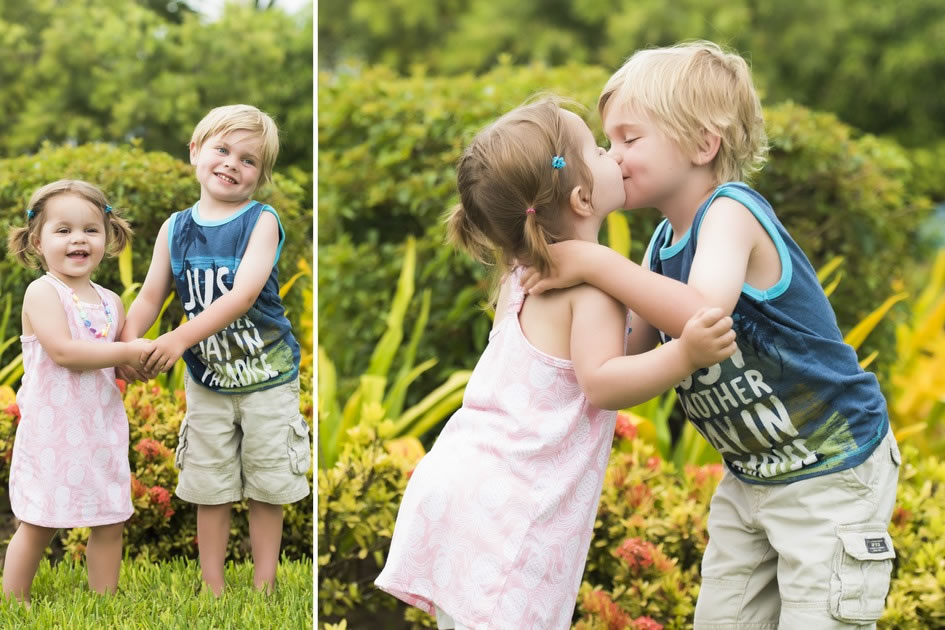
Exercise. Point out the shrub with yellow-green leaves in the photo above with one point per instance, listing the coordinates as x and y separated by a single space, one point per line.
643 566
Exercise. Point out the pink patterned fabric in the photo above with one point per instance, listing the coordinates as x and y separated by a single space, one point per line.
70 458
497 518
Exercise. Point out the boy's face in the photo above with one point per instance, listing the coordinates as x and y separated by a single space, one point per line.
228 166
652 165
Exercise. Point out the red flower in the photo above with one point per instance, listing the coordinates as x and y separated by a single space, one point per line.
901 516
625 428
160 497
155 390
14 410
122 385
645 623
638 494
152 449
636 553
653 463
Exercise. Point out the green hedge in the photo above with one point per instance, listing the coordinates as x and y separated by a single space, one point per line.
147 187
387 149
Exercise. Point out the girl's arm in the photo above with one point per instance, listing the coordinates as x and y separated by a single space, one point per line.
43 311
157 286
613 381
728 237
255 267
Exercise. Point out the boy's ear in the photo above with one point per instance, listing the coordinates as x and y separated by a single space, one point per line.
580 201
193 152
708 148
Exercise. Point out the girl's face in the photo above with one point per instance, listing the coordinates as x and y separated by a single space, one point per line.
608 194
72 237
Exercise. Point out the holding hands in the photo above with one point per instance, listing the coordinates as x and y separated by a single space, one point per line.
148 358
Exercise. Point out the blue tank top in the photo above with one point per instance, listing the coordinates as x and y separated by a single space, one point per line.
793 402
258 350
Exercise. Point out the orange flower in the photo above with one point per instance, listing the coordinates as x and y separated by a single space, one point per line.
122 385
14 410
152 449
599 603
138 489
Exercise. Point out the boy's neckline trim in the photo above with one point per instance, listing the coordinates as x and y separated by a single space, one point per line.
195 213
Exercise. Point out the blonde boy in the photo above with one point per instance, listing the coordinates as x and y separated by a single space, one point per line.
243 435
798 525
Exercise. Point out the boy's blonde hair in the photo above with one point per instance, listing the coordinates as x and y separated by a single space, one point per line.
21 240
228 118
691 87
512 199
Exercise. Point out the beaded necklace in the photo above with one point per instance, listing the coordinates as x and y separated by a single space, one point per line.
82 313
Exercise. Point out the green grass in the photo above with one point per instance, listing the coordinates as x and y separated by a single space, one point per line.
163 595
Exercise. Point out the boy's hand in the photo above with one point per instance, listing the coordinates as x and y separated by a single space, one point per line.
708 338
166 351
138 351
567 268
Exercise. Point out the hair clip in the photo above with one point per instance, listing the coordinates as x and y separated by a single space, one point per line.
30 213
108 208
558 162
530 211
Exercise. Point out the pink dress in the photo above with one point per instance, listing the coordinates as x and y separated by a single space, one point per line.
70 457
497 518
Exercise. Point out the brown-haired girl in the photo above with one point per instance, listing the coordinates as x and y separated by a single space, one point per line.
496 521
70 459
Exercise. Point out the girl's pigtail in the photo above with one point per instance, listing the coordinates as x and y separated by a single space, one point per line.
120 232
462 232
536 243
18 244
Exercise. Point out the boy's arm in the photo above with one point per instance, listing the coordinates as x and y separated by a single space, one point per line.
612 381
157 286
43 309
254 269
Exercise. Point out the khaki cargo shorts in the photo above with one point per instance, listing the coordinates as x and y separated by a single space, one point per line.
235 446
810 555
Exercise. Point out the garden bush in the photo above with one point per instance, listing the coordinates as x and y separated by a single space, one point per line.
163 526
147 187
643 565
387 149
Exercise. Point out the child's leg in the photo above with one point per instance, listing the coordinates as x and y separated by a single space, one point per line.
213 532
739 586
22 559
835 551
265 538
103 557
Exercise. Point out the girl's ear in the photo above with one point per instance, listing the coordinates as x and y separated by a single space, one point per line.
580 202
708 148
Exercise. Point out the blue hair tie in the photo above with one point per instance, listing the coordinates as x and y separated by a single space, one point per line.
557 162
30 213
108 209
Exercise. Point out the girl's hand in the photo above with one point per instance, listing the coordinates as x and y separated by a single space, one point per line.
138 351
568 260
708 338
129 374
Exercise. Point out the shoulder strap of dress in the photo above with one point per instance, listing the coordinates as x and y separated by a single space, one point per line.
517 295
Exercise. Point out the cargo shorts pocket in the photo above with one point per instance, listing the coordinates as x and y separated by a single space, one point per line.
181 446
861 570
300 452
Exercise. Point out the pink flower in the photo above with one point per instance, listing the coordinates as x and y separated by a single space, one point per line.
645 623
162 498
625 428
636 553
